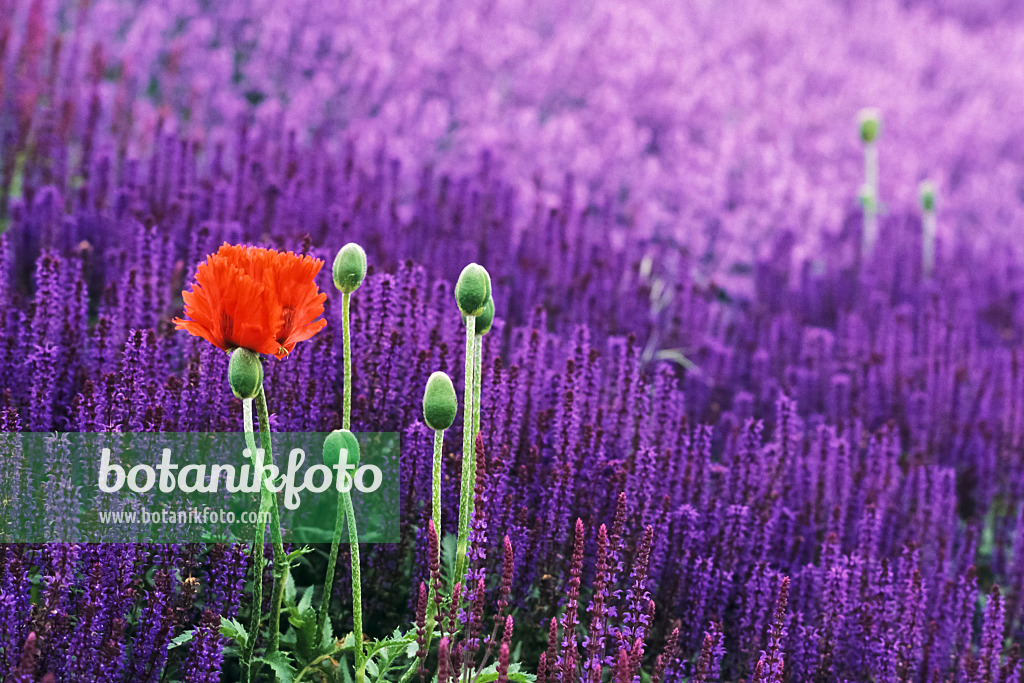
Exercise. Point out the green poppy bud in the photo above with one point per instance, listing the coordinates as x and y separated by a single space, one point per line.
473 289
245 373
349 267
439 402
869 125
867 197
485 319
336 442
928 196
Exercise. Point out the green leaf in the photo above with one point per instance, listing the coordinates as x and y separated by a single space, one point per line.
327 641
233 629
306 601
371 668
281 664
449 548
298 552
514 676
181 639
344 675
289 590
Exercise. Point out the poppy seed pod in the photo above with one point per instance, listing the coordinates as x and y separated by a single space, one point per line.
338 440
927 196
473 289
245 373
485 319
440 404
869 125
349 267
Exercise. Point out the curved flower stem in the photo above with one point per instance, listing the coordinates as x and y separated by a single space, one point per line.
346 332
280 560
257 552
346 420
357 591
468 461
332 562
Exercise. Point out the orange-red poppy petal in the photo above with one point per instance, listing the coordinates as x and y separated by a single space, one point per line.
255 298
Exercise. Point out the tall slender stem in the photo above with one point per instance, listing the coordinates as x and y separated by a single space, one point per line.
477 375
346 420
435 506
332 562
257 551
468 459
357 590
435 494
870 235
346 332
928 245
277 540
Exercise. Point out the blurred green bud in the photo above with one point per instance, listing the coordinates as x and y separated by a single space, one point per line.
440 402
867 197
870 125
485 319
473 289
349 267
337 441
928 195
245 373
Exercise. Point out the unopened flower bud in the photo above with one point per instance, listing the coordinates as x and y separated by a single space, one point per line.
337 441
349 267
869 125
928 195
245 373
867 197
473 289
439 402
485 319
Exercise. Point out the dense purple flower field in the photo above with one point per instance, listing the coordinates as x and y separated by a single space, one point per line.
718 442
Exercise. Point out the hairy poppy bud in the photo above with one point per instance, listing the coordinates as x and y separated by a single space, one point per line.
439 402
869 125
473 289
927 196
245 373
349 267
485 319
336 442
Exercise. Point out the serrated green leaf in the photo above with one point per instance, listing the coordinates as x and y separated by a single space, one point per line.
289 590
288 637
298 552
306 601
371 668
281 664
233 629
344 675
327 639
181 639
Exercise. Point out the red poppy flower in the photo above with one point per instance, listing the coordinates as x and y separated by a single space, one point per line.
253 298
